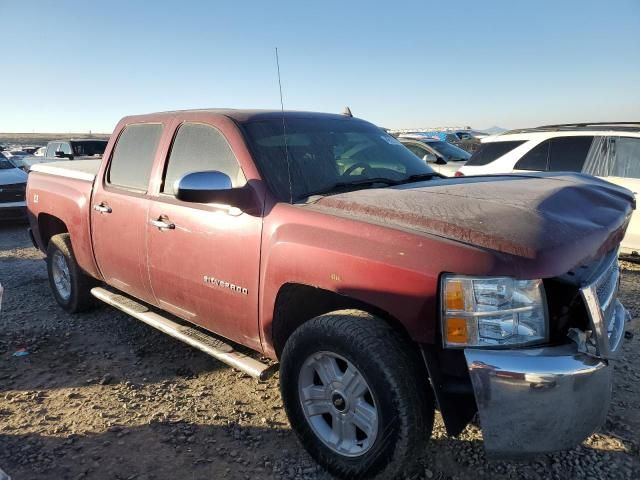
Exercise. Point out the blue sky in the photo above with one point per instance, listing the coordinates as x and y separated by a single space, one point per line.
72 65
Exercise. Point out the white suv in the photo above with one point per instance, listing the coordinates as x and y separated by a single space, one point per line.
607 150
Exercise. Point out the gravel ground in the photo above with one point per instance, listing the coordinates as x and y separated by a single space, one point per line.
101 396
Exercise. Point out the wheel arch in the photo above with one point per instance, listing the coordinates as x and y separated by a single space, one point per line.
48 226
297 303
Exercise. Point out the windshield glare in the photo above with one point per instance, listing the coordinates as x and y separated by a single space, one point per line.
449 152
324 152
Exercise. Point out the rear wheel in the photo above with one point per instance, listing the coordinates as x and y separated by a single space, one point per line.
352 389
71 287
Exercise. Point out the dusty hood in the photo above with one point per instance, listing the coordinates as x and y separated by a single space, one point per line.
555 217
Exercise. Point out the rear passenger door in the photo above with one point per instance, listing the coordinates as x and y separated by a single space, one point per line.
204 265
119 211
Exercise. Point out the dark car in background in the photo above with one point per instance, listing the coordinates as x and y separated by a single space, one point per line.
13 182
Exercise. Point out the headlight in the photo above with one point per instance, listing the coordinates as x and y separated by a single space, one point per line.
492 311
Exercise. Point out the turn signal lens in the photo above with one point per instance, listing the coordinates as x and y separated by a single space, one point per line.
455 295
457 331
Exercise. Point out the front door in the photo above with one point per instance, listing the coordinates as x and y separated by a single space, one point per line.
204 258
119 211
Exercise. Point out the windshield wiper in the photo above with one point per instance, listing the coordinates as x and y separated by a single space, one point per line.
345 186
368 182
418 177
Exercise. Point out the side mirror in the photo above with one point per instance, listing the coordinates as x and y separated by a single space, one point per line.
211 187
430 158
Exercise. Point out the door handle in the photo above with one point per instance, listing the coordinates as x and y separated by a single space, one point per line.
102 208
162 224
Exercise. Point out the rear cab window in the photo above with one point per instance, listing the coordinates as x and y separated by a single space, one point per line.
488 152
133 155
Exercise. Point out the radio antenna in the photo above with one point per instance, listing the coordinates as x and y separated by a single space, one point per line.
284 130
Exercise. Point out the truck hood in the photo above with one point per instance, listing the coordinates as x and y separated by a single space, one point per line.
12 175
552 218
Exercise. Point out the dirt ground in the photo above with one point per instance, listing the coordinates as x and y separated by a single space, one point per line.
102 396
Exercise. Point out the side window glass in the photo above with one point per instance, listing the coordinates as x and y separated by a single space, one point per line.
600 158
65 148
490 151
196 148
417 150
133 156
627 155
568 154
51 149
535 159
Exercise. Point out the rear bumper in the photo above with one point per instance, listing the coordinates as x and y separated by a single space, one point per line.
13 211
533 401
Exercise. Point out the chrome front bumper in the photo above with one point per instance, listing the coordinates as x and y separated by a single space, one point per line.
532 401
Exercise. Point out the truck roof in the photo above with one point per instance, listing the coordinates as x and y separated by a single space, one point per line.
239 115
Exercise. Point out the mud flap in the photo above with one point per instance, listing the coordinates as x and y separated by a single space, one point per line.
456 406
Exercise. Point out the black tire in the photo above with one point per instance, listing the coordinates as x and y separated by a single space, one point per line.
397 383
79 297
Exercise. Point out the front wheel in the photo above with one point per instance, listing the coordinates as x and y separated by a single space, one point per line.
352 389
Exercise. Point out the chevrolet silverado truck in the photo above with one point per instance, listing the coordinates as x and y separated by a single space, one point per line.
382 289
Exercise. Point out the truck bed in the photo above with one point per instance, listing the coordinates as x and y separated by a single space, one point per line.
78 169
58 198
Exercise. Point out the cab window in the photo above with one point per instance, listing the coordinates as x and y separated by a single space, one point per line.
133 156
196 148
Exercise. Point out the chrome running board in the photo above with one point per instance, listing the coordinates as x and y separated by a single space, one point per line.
209 344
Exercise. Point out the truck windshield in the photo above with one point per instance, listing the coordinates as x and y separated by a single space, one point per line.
328 152
88 147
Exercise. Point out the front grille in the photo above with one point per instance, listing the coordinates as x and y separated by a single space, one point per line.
607 290
12 193
601 298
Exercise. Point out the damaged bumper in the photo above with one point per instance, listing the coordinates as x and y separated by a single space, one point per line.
532 401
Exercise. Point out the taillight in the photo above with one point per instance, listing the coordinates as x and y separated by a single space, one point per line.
458 174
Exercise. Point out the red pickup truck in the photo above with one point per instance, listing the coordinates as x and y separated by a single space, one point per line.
383 289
